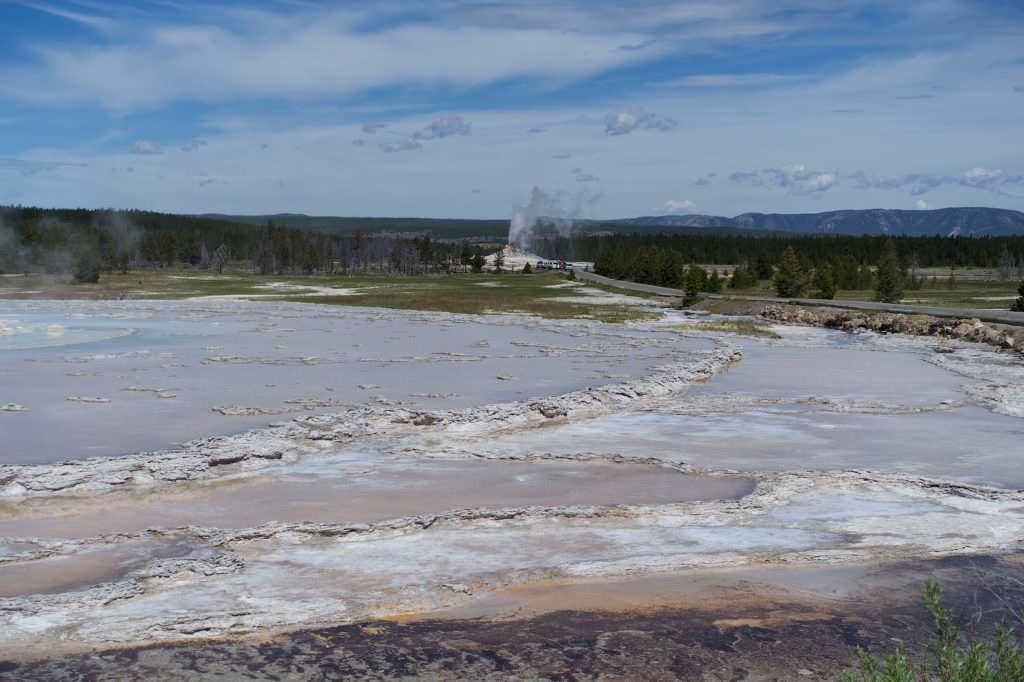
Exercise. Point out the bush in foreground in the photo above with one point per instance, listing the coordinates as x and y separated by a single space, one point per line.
1018 305
951 657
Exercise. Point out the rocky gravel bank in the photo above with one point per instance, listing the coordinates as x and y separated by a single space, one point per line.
972 329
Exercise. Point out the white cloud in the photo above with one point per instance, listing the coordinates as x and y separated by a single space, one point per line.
678 206
446 126
922 205
90 20
193 144
796 179
583 176
625 122
730 80
982 176
147 147
26 167
905 148
311 53
404 145
987 179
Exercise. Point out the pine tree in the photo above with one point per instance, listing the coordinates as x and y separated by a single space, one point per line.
790 279
763 266
824 283
693 284
478 261
527 269
1018 305
86 268
499 260
743 278
715 282
889 285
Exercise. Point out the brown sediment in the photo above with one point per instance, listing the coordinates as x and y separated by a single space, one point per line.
736 631
757 588
364 493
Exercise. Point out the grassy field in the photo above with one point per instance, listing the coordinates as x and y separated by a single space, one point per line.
741 328
536 294
968 293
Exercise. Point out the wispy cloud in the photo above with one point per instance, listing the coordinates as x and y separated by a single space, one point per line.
446 126
305 52
583 176
730 80
987 179
800 180
625 122
31 166
147 147
90 20
404 145
679 206
192 145
796 179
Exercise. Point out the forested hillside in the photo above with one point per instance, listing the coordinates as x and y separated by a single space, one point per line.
436 228
84 242
662 259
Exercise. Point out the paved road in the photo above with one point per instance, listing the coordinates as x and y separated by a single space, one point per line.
1001 316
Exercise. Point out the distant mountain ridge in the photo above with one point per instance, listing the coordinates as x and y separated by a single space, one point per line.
966 222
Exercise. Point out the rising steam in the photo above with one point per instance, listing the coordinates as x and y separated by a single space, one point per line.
547 215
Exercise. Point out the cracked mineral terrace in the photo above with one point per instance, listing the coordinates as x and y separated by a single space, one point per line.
622 461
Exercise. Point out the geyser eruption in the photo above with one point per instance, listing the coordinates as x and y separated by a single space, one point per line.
546 216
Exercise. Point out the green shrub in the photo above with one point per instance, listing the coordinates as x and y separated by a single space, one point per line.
1018 305
951 656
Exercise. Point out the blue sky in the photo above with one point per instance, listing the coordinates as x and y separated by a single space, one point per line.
461 107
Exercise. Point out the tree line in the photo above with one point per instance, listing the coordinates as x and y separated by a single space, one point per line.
86 242
1005 254
796 274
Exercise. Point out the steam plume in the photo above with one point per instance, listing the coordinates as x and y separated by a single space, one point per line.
547 215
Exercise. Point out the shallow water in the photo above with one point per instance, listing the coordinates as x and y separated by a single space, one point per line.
84 569
354 488
812 400
840 403
970 444
851 374
160 385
